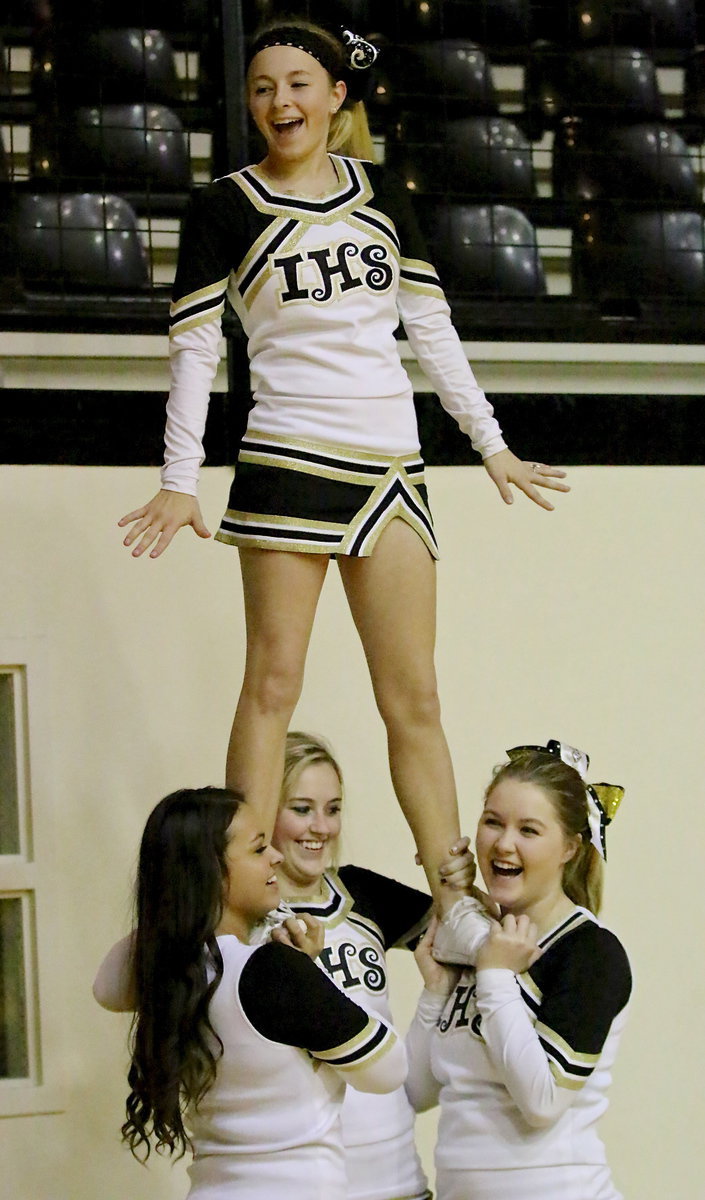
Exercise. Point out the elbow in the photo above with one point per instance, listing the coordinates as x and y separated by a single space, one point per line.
386 1076
102 996
420 1101
114 1001
543 1116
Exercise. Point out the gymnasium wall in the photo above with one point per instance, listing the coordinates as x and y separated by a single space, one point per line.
584 624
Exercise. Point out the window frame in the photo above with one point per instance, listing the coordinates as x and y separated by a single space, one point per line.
29 876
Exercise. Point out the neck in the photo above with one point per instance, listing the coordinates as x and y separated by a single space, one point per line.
298 891
313 175
236 924
548 912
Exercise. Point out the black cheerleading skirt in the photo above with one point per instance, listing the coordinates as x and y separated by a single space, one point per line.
318 498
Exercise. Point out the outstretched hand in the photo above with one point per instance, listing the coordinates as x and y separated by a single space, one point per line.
157 522
504 469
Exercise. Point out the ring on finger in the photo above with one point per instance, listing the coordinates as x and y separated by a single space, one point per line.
536 468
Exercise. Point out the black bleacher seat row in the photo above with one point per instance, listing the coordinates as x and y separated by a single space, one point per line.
636 162
484 250
487 157
496 23
605 83
451 77
78 242
106 66
655 254
110 116
172 16
133 148
652 25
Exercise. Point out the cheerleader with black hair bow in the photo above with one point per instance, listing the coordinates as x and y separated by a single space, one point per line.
320 255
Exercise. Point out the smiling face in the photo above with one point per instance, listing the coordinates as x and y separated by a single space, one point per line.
307 828
292 99
522 849
252 888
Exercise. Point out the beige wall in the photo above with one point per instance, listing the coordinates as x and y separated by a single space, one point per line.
584 624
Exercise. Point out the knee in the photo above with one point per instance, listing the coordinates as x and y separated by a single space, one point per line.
411 704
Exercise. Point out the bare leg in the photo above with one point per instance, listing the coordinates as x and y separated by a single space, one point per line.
392 597
281 591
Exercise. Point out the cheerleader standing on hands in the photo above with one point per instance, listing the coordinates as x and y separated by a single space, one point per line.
320 255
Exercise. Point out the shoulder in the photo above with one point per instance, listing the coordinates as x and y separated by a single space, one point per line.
222 193
589 955
274 965
362 882
399 911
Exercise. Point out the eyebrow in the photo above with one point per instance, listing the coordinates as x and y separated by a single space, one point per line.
257 837
290 74
310 800
492 812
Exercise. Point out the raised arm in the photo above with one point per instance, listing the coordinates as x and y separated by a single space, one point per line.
422 1087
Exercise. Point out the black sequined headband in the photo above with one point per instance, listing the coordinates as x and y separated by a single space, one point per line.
345 59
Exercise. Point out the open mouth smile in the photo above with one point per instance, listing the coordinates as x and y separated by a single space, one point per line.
289 125
506 870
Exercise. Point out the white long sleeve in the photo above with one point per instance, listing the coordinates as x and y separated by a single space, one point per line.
439 352
194 361
422 1087
113 985
516 1052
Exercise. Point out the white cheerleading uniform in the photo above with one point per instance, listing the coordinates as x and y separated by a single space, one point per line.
269 1125
319 287
520 1066
364 915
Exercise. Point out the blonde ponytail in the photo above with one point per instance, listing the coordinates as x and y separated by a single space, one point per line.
350 132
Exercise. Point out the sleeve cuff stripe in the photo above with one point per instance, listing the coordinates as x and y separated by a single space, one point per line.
205 318
354 1051
211 292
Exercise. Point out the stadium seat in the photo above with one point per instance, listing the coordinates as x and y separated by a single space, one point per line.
78 242
451 77
487 157
364 16
651 25
694 95
483 250
490 22
654 254
107 66
119 147
622 162
175 16
610 22
673 23
603 83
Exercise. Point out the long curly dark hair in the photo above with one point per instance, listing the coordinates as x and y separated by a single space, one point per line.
178 905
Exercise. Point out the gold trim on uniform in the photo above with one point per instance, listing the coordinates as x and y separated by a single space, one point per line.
311 211
213 289
205 318
392 487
